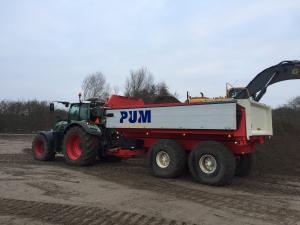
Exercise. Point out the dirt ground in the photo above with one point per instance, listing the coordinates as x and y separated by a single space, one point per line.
35 193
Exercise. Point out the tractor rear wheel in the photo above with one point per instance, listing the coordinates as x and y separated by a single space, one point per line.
80 148
244 165
212 163
42 148
167 159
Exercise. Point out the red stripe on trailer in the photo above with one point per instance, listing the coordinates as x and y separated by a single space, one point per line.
125 153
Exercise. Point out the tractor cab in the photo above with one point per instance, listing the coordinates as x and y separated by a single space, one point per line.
86 111
233 92
91 110
79 111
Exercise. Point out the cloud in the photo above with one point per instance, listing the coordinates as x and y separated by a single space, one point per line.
47 47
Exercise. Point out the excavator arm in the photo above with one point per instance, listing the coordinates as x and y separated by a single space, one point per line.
286 70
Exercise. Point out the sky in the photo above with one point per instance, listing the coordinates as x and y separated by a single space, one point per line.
48 47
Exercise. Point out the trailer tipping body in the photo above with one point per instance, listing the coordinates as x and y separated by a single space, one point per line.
239 124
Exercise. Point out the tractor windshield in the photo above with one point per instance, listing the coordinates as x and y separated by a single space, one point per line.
85 112
74 112
79 112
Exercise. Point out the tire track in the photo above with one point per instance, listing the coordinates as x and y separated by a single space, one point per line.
14 158
237 204
242 205
77 214
267 186
138 176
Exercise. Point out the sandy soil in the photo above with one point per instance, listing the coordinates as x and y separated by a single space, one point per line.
33 192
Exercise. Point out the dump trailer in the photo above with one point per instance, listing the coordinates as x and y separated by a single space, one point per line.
214 138
217 136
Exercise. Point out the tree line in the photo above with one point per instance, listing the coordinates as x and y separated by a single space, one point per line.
27 116
286 120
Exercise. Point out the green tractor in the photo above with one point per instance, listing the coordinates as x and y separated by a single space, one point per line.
81 138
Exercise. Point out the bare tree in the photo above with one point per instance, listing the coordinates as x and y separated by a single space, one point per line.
116 90
162 89
95 86
140 84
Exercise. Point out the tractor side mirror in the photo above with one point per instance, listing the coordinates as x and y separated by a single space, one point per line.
51 107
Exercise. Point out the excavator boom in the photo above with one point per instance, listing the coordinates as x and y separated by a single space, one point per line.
286 70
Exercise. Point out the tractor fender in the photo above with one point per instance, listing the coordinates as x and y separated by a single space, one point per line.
89 128
49 136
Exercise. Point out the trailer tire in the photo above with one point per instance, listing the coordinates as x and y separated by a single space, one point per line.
80 148
42 148
212 163
167 159
244 165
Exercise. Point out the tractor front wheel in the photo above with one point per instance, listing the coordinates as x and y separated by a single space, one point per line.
42 148
80 148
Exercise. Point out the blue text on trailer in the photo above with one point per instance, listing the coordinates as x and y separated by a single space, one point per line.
136 116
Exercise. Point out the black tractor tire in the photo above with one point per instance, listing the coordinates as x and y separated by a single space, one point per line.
42 148
244 165
79 147
175 154
212 163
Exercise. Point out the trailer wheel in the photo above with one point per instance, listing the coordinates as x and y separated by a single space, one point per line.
80 148
167 159
212 163
42 148
244 165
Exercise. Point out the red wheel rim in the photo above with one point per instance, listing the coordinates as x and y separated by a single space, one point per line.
73 147
39 148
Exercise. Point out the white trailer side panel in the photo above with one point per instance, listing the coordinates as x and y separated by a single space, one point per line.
216 116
